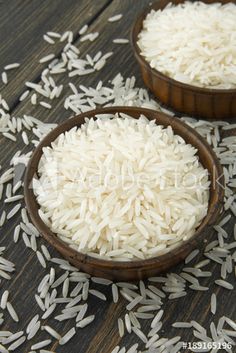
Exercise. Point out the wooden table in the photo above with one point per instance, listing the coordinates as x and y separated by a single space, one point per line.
22 26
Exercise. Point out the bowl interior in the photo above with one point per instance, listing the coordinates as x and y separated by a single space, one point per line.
207 158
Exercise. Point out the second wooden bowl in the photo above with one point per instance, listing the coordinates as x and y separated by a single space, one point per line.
131 270
206 103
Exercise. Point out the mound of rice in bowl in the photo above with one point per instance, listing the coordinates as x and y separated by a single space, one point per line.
121 188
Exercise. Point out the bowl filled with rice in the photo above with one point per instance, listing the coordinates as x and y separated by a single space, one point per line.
122 192
186 52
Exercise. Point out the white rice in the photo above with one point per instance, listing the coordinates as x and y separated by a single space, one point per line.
12 337
157 318
213 303
116 349
83 29
45 105
9 136
45 252
3 274
5 333
115 293
14 198
4 78
85 291
225 284
140 334
17 186
48 39
182 325
121 327
4 299
86 321
43 282
12 312
60 280
24 95
41 344
34 99
191 256
25 138
98 66
133 348
175 43
82 312
97 294
231 323
39 302
3 218
103 281
76 290
17 344
90 36
49 311
198 287
120 41
4 104
128 323
32 323
65 288
51 332
131 221
115 18
46 58
134 302
41 259
53 34
11 66
133 319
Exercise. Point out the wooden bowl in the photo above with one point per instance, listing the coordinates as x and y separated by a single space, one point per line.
205 103
131 270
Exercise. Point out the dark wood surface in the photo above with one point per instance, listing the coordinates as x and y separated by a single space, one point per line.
22 25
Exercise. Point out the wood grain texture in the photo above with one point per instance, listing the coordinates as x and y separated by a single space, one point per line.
22 30
101 336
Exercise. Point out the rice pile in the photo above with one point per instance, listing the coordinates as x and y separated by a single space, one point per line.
193 43
122 188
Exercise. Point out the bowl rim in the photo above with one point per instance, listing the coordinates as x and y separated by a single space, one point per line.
141 59
32 205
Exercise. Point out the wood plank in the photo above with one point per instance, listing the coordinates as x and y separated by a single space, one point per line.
101 336
21 35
